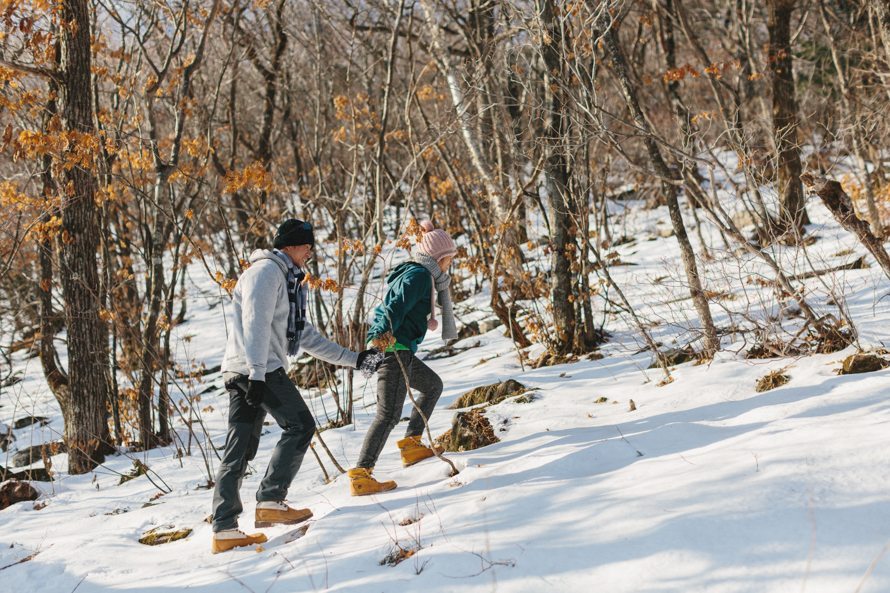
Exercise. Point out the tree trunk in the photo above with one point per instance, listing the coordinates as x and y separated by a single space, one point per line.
561 241
86 426
791 197
56 377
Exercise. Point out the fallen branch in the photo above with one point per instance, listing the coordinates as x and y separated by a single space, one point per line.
856 264
838 202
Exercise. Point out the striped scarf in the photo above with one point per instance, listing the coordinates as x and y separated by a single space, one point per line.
441 289
297 297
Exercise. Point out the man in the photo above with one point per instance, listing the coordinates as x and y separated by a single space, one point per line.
268 325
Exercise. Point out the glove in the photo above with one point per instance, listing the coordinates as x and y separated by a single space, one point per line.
256 390
369 361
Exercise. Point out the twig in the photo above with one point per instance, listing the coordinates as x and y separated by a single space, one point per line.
328 451
423 417
639 454
327 478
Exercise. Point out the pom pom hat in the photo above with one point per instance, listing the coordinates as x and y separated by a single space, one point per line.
436 243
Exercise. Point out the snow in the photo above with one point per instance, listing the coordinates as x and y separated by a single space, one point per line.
707 487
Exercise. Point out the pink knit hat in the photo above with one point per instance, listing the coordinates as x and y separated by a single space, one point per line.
436 243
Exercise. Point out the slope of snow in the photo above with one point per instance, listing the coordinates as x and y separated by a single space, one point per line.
707 486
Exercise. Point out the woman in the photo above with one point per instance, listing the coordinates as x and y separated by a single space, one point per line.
399 325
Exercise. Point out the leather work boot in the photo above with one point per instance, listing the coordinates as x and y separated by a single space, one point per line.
361 483
275 512
413 450
234 538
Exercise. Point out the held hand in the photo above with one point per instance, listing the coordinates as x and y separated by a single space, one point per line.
383 341
256 390
363 356
369 361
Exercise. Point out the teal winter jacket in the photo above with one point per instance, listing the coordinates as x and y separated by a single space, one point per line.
405 307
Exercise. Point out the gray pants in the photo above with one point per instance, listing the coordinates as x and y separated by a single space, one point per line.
391 392
283 402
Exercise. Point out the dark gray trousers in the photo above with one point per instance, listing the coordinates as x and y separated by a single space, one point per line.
391 391
283 402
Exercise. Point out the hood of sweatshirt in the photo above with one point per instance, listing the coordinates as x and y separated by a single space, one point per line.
400 270
260 254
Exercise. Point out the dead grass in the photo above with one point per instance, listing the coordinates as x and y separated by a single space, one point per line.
156 537
771 380
399 554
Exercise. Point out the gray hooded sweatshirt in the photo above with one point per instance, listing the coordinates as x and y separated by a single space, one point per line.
257 342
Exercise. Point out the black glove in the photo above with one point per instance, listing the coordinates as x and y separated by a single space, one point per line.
369 361
255 392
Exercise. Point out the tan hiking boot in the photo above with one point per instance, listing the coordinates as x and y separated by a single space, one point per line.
413 450
361 483
275 512
234 538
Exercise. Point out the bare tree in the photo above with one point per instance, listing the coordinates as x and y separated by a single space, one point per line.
785 126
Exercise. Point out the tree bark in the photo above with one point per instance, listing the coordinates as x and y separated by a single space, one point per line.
56 377
86 426
561 241
791 197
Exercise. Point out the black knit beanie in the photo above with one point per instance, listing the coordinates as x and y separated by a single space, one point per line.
293 232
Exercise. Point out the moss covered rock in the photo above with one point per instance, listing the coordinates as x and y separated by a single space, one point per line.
863 363
469 430
490 394
13 491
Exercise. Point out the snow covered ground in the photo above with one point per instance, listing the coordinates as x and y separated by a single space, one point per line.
708 486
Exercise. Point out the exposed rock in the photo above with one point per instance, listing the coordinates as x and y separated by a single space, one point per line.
468 330
13 491
469 430
490 394
549 359
674 356
526 398
486 325
863 363
39 474
6 437
37 453
29 420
